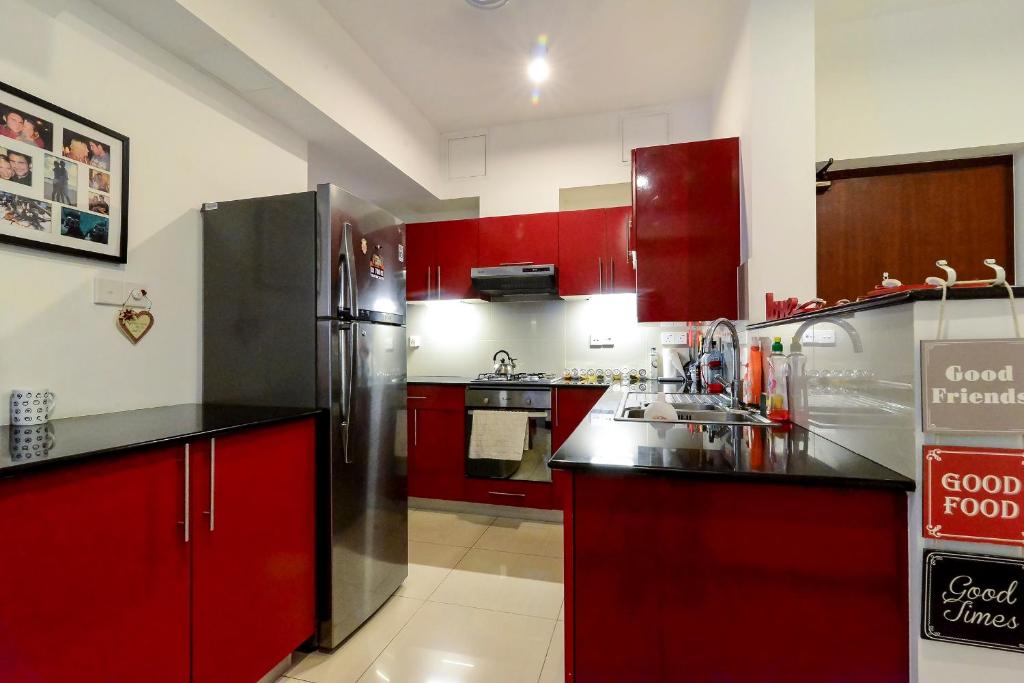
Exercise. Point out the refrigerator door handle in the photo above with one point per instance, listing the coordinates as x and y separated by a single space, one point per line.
344 295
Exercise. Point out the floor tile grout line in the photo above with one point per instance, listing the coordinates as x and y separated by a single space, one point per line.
496 611
513 552
388 644
445 578
547 653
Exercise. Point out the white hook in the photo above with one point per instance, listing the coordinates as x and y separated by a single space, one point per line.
1000 272
938 281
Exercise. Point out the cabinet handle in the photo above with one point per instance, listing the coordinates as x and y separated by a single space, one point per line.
517 263
415 427
187 487
554 404
439 283
600 275
213 488
417 398
428 282
629 233
611 265
510 495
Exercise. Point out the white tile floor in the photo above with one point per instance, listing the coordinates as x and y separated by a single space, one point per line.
483 602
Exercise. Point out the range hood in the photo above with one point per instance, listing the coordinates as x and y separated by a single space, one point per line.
519 282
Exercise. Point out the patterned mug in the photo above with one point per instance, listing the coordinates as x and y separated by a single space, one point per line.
31 441
31 406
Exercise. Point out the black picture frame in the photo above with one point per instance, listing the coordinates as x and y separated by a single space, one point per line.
119 256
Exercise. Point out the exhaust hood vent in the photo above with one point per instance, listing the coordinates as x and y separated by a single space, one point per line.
525 282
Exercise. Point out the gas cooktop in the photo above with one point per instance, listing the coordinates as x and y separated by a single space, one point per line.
516 378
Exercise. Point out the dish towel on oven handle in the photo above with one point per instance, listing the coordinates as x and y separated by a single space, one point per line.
498 434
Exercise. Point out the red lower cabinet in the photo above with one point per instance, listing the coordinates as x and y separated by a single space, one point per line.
95 571
106 578
436 428
252 562
571 406
686 580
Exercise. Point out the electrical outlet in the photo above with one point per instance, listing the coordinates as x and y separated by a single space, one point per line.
107 292
414 341
598 341
818 337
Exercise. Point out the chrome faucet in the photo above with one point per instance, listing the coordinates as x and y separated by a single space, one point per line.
737 381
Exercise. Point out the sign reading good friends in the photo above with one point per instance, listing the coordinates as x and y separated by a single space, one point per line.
973 386
973 600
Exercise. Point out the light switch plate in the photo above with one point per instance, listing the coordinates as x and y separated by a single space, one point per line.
598 341
107 292
414 341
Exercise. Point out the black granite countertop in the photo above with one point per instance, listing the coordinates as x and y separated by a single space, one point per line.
73 439
438 379
895 299
790 455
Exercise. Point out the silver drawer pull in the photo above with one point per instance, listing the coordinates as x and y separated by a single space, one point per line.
512 495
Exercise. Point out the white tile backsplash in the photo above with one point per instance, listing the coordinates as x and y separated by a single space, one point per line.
460 338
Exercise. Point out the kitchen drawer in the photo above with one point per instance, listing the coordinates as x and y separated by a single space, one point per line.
437 396
524 494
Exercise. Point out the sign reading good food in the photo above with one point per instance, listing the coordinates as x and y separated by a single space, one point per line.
974 386
974 495
973 600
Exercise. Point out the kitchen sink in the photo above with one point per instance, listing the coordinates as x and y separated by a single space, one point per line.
689 409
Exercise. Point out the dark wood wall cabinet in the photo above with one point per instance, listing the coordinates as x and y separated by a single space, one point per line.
169 565
686 213
902 219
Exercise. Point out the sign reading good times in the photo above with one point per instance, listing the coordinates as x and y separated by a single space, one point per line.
973 386
973 600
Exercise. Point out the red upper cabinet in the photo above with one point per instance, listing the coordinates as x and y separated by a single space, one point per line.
619 247
686 203
420 256
582 252
456 254
594 252
529 238
440 256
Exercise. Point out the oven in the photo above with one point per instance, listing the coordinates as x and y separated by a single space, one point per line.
483 461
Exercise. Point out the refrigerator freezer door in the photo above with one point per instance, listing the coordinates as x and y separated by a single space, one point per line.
361 260
365 473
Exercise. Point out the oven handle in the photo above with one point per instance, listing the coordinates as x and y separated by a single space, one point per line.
512 410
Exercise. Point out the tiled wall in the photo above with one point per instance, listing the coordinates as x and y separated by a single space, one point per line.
859 387
460 338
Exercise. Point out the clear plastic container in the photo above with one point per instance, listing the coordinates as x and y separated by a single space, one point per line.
778 383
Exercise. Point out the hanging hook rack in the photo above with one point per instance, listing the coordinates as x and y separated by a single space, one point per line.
950 280
138 295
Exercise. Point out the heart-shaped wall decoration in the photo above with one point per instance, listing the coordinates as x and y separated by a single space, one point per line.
135 324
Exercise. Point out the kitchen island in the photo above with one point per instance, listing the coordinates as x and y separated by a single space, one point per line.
730 554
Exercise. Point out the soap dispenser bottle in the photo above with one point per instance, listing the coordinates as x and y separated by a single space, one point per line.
778 381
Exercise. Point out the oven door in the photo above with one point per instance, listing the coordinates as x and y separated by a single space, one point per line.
532 465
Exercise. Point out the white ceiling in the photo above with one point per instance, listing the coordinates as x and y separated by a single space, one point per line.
465 68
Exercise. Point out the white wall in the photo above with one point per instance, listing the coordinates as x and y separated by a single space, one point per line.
460 338
898 77
767 99
301 44
191 141
527 163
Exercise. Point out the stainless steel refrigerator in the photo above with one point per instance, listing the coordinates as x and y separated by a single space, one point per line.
304 305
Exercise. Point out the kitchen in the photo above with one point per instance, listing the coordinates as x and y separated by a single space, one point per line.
532 503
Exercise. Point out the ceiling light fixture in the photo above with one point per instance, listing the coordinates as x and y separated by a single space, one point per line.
487 4
538 69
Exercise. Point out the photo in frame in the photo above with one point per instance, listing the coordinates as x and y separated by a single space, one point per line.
63 180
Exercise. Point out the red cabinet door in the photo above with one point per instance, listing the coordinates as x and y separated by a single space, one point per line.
420 262
456 254
621 277
436 442
582 254
253 560
95 572
687 212
572 404
529 238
